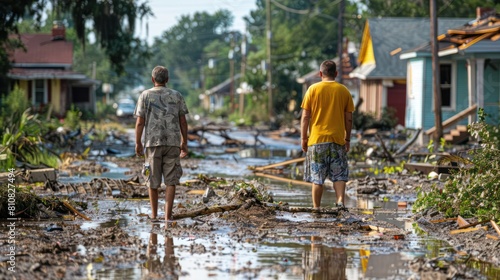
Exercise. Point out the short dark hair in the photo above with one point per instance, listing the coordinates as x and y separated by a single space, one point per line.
328 68
160 74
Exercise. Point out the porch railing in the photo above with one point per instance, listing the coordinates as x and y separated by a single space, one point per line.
455 119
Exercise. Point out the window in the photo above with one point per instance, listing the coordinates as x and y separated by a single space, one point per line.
80 94
39 95
447 81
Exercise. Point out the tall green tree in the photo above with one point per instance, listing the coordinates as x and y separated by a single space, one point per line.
304 33
186 48
420 8
113 23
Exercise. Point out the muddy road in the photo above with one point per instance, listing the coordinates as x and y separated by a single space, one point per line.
267 233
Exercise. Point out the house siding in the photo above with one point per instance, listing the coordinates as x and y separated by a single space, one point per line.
415 93
461 92
427 100
371 93
492 91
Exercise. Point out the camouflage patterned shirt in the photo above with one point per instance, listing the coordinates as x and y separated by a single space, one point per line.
161 107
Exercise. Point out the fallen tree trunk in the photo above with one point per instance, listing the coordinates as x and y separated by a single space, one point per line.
302 209
207 210
232 207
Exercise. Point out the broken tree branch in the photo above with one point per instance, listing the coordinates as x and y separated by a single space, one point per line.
72 209
387 153
206 211
495 226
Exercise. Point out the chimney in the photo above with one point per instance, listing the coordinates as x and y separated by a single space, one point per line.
482 12
58 31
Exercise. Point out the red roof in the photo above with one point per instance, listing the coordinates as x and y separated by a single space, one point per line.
41 49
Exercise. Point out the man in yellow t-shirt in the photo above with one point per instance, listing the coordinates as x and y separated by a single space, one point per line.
327 116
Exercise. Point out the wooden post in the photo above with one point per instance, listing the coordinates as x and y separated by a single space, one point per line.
340 41
269 62
436 80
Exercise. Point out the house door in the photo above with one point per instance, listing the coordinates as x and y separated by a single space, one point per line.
492 91
396 98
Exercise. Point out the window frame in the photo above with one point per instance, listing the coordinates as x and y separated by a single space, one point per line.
45 92
452 86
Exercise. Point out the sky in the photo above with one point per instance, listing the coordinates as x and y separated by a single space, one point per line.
167 12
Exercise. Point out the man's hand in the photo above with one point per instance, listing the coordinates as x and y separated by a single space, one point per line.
347 146
184 150
304 145
139 149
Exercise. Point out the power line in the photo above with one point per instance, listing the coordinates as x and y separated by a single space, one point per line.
291 10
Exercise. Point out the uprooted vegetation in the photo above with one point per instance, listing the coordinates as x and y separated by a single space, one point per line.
33 206
472 191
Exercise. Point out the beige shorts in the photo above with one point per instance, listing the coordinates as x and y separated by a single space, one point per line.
164 161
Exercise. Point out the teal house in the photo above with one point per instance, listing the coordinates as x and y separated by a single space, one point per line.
469 70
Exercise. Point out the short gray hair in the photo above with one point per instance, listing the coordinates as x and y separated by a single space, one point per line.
160 74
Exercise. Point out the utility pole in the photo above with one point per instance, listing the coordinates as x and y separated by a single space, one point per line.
231 73
341 41
243 68
269 65
436 76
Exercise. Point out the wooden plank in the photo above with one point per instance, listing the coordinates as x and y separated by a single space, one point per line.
287 162
495 226
196 192
291 181
492 237
457 231
462 223
41 175
72 209
473 224
426 168
456 118
443 220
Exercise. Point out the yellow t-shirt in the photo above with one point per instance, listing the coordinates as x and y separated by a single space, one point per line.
327 101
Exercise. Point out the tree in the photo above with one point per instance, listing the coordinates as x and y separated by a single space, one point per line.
304 33
420 8
113 22
186 48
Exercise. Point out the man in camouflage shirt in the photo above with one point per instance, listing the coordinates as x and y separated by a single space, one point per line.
161 114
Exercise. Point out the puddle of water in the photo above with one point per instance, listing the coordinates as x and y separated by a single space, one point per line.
292 257
114 172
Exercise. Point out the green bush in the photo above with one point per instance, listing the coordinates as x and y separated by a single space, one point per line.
72 119
21 131
474 190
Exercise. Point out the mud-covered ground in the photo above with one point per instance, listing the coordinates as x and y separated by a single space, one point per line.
52 249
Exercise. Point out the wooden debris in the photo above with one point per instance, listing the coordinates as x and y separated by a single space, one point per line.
473 224
443 220
196 192
462 223
490 236
302 209
457 231
206 211
287 162
375 228
384 148
402 204
495 226
41 175
278 178
72 209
